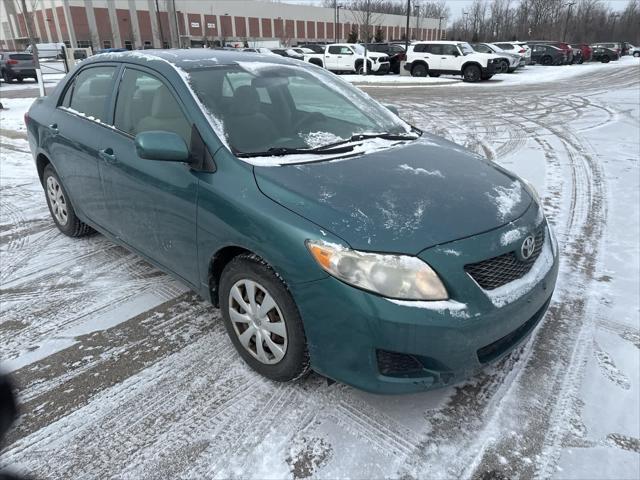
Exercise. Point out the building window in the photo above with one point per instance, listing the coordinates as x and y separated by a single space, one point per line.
147 44
67 43
106 44
84 44
165 44
128 44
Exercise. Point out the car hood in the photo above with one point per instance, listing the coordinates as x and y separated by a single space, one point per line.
402 199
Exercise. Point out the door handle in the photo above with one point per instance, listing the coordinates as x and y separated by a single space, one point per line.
53 128
107 155
443 58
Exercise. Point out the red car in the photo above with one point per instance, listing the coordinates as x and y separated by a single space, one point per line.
586 50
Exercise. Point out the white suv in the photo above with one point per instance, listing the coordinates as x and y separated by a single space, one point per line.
452 58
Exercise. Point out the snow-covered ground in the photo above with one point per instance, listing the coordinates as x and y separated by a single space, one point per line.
123 373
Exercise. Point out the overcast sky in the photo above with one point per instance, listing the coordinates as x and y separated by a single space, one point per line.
458 6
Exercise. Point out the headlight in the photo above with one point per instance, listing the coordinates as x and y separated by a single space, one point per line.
393 276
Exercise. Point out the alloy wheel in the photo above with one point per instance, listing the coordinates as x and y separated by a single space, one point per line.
258 321
57 201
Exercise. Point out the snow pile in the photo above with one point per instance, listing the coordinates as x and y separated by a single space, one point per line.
506 198
421 171
318 139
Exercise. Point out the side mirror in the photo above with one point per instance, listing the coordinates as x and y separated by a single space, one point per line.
392 109
160 145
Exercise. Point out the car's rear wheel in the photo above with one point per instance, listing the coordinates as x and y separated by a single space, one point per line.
6 77
636 54
262 319
605 59
546 60
60 206
472 73
419 70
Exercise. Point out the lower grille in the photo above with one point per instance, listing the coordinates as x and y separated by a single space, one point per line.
498 271
497 348
394 364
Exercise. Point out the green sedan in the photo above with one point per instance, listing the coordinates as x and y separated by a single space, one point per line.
332 235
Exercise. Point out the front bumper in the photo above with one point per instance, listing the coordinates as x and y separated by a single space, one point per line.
351 333
490 69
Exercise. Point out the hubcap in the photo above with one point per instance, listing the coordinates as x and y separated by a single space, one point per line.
257 321
57 201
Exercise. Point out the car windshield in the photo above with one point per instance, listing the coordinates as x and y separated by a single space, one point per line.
466 48
266 106
359 49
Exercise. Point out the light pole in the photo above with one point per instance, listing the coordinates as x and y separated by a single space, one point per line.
417 13
337 26
566 22
440 28
406 36
466 19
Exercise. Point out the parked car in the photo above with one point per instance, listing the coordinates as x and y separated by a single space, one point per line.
615 46
17 66
254 50
48 50
395 52
302 50
314 47
349 57
635 51
604 55
547 55
520 48
585 51
452 58
221 174
565 47
509 62
288 52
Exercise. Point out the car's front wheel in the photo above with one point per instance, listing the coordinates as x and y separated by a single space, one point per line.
262 319
60 206
605 59
636 54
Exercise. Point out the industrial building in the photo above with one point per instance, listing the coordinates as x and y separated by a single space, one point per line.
135 24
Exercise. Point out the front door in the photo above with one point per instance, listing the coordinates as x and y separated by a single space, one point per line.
449 58
75 127
152 203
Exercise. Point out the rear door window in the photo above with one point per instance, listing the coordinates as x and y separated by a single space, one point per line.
90 91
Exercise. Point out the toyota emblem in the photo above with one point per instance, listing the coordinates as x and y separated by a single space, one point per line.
528 246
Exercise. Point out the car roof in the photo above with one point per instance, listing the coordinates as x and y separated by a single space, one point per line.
187 58
443 42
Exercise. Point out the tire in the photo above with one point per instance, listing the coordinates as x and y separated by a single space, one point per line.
472 73
504 66
546 60
58 202
605 59
580 61
636 54
288 359
6 77
360 68
419 70
434 75
20 79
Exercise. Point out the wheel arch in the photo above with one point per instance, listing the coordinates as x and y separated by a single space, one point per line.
219 260
41 162
316 61
469 64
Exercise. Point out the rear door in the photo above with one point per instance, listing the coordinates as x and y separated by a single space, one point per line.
152 204
76 125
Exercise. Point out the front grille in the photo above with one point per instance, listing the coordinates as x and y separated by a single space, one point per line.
394 363
383 59
498 271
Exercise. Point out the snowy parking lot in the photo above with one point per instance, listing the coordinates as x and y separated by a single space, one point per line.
122 372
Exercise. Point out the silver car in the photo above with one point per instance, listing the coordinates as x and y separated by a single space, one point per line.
509 61
17 66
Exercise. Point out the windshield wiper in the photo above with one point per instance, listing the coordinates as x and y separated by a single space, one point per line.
281 151
331 148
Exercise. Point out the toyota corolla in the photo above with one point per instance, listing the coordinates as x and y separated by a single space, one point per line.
332 235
